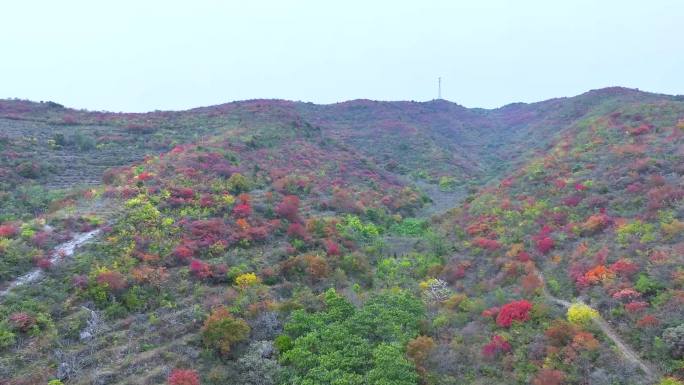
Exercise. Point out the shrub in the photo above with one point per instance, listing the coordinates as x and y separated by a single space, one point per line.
221 330
636 306
289 208
419 348
596 223
497 345
297 231
183 253
283 343
22 321
184 377
200 269
332 248
644 232
7 337
648 321
670 381
646 285
486 244
674 339
242 210
545 244
624 267
598 274
112 280
514 311
580 314
246 280
8 231
238 183
548 377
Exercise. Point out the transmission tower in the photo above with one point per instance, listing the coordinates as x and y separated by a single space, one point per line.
439 88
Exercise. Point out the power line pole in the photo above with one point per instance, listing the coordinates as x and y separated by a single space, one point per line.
439 88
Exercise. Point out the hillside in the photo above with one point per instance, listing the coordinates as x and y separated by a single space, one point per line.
364 242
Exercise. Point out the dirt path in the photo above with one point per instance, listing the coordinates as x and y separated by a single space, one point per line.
60 252
626 351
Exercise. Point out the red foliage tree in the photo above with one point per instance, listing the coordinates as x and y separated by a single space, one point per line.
183 253
296 230
624 268
497 345
184 377
514 311
22 321
491 312
8 231
114 280
487 244
200 269
636 306
183 192
44 263
242 210
572 200
648 321
289 208
332 248
548 377
545 244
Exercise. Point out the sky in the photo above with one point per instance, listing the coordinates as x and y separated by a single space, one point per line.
142 55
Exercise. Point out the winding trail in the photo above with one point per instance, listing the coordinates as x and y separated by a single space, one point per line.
60 252
599 321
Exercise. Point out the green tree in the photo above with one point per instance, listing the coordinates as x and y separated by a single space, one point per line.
390 367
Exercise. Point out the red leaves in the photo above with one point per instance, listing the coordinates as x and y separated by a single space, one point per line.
640 130
548 377
332 248
184 377
572 200
560 184
22 321
624 268
8 231
491 312
289 208
113 280
596 223
636 306
200 269
648 321
242 209
544 242
43 263
487 244
514 311
183 193
497 345
143 176
296 230
183 253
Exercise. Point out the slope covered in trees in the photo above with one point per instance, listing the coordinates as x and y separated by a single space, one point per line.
276 242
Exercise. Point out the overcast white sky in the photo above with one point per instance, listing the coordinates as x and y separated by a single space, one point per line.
135 55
